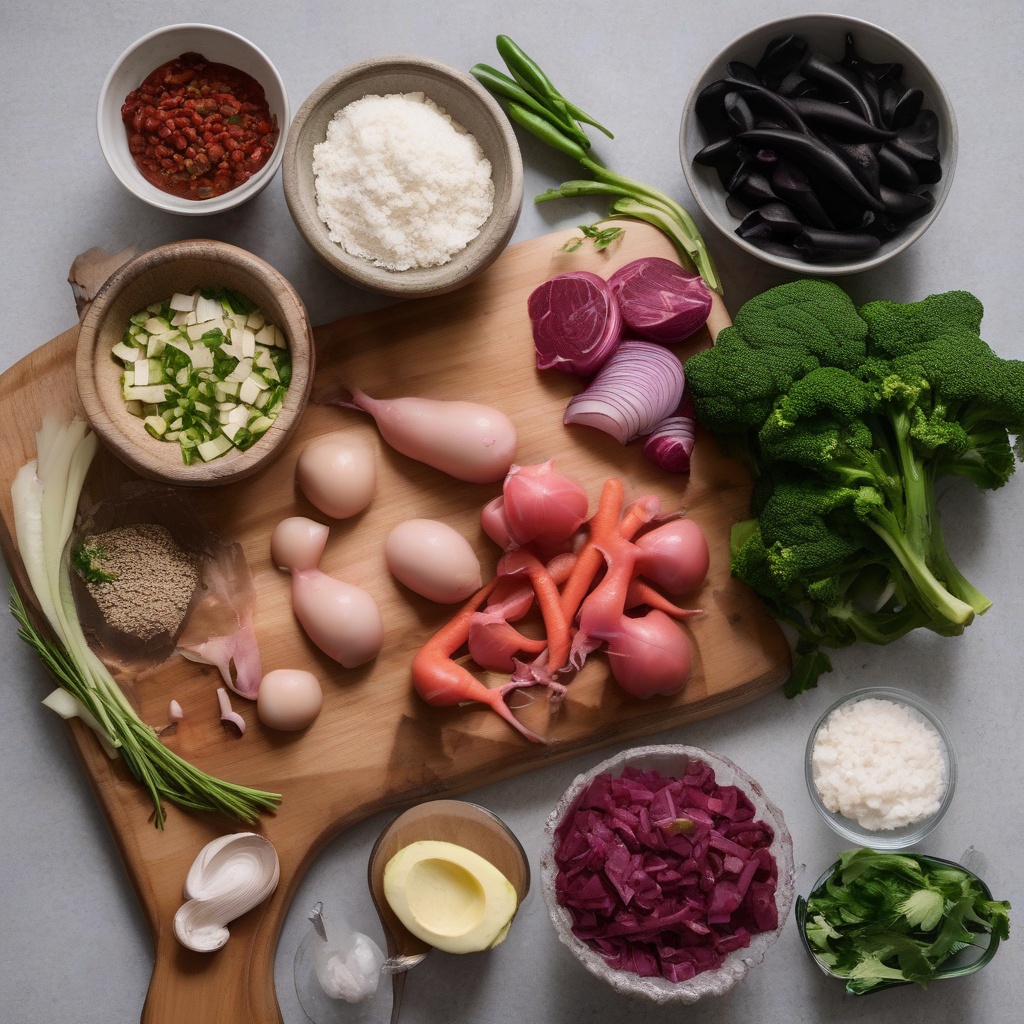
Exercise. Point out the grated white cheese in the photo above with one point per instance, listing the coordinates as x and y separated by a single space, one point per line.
879 764
399 183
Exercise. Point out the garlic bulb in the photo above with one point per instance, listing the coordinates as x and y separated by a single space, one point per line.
230 876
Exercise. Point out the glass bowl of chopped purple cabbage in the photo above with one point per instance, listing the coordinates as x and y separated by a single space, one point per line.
881 767
667 872
819 143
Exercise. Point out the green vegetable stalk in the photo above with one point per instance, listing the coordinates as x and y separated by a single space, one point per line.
45 496
848 418
535 104
884 918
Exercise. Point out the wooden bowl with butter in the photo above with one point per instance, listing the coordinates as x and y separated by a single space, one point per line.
195 397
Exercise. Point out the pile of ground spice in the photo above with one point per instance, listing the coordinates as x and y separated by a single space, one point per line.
151 579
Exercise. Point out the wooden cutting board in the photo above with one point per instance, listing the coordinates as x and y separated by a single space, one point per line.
376 745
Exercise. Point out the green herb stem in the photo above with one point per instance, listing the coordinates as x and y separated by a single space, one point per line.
164 774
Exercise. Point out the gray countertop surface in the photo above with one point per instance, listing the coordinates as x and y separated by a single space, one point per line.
73 944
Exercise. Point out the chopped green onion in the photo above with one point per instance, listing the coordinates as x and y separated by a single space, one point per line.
181 355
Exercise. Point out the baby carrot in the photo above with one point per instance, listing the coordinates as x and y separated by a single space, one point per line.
442 682
603 526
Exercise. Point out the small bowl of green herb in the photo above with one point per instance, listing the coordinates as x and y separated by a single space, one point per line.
195 362
879 920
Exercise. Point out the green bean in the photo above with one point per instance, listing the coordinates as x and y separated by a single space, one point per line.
509 89
546 132
580 115
528 73
536 105
525 70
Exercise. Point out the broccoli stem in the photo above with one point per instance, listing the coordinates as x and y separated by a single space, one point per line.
935 598
944 567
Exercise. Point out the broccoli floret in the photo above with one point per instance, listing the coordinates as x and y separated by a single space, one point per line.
900 327
849 417
816 317
735 386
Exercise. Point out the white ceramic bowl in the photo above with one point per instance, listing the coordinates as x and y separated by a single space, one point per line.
144 56
824 33
888 839
469 104
671 761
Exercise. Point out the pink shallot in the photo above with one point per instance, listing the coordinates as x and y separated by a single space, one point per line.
219 631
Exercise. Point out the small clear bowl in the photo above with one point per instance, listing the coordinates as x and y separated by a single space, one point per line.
896 838
967 961
671 760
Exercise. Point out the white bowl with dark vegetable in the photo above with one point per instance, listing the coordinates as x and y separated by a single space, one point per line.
820 143
404 176
630 846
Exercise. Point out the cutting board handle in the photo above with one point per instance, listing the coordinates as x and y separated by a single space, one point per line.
234 985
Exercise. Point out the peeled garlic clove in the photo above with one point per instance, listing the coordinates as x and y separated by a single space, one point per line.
230 876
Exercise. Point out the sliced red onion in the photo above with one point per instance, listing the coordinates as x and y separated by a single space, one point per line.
639 386
670 444
576 323
659 300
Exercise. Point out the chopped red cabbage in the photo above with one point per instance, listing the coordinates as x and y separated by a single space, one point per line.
662 876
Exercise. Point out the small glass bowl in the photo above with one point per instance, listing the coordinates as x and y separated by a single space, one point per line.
968 960
896 838
671 760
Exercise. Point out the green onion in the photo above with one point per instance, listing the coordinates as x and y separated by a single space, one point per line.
178 354
45 496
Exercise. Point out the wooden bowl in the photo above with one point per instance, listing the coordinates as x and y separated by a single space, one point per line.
155 276
469 105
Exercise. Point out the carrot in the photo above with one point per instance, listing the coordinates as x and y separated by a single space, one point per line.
442 682
643 511
603 525
556 626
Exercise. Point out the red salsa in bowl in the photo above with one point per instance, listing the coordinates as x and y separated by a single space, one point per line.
197 129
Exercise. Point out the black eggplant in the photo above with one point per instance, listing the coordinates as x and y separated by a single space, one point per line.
861 158
814 152
793 186
879 72
838 120
894 170
781 56
843 83
824 245
708 108
738 112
